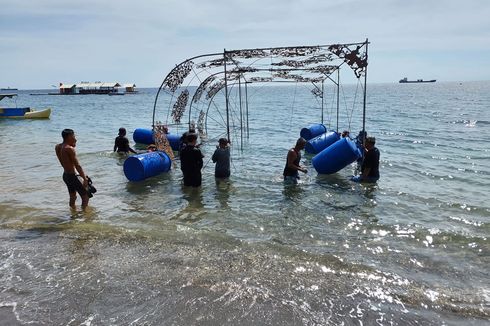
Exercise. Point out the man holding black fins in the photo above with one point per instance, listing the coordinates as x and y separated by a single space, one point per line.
191 162
68 159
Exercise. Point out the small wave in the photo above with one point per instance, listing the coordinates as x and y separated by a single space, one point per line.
470 123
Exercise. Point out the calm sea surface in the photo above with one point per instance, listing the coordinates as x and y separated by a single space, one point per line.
413 249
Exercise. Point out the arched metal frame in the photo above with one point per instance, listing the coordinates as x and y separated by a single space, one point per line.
308 64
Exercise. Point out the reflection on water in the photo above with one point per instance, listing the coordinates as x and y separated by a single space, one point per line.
224 187
293 192
193 211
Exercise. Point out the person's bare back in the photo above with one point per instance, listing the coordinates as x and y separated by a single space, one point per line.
67 157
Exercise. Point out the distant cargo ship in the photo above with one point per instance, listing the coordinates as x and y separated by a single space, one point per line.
8 89
405 80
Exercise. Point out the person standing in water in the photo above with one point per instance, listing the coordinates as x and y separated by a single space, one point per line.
370 163
292 163
68 159
121 144
221 157
191 162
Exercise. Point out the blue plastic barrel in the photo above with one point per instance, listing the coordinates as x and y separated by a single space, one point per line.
143 136
174 140
142 166
319 143
312 131
336 157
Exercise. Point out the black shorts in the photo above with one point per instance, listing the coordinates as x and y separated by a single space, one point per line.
192 180
73 184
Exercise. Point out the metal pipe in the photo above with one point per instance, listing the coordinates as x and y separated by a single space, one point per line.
226 99
241 112
338 98
364 99
246 107
322 98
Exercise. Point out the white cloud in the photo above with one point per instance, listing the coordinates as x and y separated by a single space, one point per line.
141 41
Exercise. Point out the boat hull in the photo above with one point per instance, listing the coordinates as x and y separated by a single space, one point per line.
42 114
24 113
416 81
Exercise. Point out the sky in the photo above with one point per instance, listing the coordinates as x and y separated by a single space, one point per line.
44 42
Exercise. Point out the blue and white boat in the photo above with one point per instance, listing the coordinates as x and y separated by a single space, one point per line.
23 113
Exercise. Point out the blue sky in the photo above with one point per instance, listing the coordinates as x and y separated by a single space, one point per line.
44 42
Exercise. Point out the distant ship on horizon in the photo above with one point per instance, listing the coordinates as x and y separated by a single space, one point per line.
405 80
9 89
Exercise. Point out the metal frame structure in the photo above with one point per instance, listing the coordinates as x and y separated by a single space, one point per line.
217 71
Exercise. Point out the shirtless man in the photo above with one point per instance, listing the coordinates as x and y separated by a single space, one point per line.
68 159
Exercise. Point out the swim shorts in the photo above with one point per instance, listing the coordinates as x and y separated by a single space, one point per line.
73 184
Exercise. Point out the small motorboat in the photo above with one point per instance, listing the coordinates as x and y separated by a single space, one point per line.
26 113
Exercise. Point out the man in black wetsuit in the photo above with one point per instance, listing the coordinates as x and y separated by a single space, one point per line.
292 162
191 162
370 164
121 144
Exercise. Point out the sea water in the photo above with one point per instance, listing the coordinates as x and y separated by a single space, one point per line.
412 249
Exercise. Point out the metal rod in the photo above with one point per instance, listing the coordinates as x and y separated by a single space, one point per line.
296 47
226 99
322 98
338 98
364 99
241 112
246 107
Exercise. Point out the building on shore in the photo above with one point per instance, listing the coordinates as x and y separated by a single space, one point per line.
96 88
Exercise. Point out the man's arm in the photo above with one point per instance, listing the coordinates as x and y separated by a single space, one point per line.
365 173
57 149
367 165
73 158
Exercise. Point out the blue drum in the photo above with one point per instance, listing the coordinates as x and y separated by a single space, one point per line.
336 157
319 143
145 136
143 166
312 131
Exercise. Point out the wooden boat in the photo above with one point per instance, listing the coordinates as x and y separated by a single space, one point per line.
25 113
